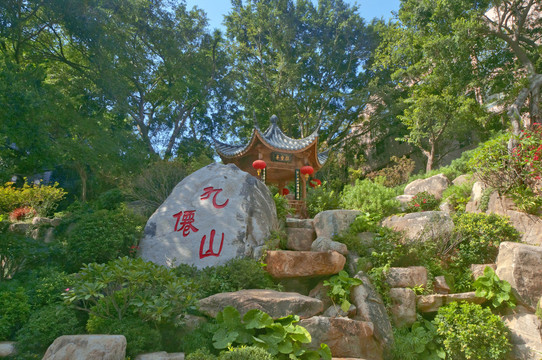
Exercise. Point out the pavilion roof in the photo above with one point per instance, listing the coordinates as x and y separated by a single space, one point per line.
273 137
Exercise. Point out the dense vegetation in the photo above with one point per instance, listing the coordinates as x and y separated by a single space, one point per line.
121 100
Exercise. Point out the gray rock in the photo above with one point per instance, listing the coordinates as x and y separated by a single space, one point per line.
345 337
446 207
370 308
398 277
22 228
521 266
299 223
440 285
525 335
161 355
326 244
337 311
333 222
216 214
529 226
404 200
434 185
500 204
300 239
476 197
320 292
403 307
431 303
290 264
422 226
7 348
276 304
87 347
462 179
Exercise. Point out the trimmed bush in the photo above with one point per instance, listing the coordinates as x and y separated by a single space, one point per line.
14 312
468 331
245 353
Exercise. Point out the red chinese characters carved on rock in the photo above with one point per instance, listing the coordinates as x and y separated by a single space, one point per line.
209 251
207 193
185 221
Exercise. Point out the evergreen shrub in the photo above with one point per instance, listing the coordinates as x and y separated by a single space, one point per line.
245 353
14 312
322 198
371 197
469 331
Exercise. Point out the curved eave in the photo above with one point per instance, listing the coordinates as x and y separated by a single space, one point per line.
322 158
233 151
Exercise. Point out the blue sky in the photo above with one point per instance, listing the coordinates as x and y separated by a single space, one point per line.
368 9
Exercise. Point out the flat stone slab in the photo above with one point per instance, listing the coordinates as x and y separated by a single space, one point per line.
276 304
345 337
288 264
299 223
431 303
161 355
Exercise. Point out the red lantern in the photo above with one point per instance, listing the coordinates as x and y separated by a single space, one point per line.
259 165
307 170
315 183
285 191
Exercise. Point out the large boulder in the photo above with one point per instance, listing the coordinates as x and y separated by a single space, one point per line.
370 308
87 347
333 222
403 277
424 225
300 239
529 226
403 306
345 337
276 304
525 335
216 214
291 264
326 244
7 348
434 185
521 266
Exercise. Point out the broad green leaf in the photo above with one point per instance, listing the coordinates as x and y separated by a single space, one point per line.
257 319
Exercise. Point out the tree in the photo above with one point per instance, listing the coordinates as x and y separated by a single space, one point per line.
300 62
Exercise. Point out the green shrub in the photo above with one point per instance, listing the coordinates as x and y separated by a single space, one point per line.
468 331
102 236
397 174
236 274
199 340
127 286
14 312
370 197
44 326
480 236
201 354
141 336
18 252
458 196
245 353
283 209
45 285
109 200
417 343
422 201
42 198
322 198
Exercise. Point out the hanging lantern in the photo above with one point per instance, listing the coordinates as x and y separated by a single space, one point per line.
285 191
307 170
259 165
314 183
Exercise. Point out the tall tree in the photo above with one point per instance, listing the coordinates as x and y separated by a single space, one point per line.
301 62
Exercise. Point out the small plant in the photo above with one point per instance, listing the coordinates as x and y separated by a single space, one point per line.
322 198
422 201
468 331
282 338
22 213
417 343
458 196
339 289
497 291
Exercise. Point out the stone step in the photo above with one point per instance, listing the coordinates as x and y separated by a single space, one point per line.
283 264
300 239
299 223
431 303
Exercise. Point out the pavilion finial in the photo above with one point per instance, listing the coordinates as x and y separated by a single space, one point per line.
274 119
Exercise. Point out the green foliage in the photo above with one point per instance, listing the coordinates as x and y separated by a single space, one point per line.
484 200
468 331
281 338
102 236
417 343
480 236
151 187
127 286
245 353
339 289
14 312
42 198
199 340
283 209
497 291
44 325
397 174
45 285
141 336
235 275
201 354
109 200
322 198
370 197
458 196
422 201
18 252
526 199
